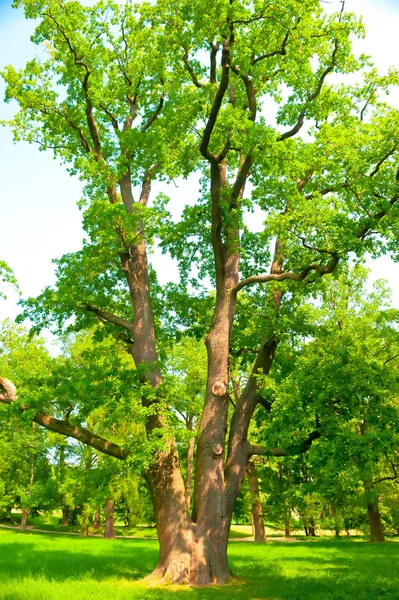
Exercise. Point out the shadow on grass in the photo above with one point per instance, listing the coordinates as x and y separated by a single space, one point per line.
323 570
58 558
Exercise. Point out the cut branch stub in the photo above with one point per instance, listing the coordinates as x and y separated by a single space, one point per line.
217 450
8 388
219 388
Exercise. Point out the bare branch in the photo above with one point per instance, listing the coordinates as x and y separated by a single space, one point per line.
296 449
190 69
214 51
155 114
108 317
282 51
392 358
301 118
217 102
289 275
111 117
383 159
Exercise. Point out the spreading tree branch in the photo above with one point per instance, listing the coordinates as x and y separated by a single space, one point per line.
289 275
301 118
109 317
295 450
8 396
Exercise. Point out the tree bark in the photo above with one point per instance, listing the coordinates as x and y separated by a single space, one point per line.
189 474
109 530
97 520
65 517
24 519
311 529
258 526
376 529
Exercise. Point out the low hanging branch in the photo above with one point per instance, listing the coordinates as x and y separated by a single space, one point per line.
8 396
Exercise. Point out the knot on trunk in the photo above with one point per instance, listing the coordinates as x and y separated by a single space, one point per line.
219 388
217 450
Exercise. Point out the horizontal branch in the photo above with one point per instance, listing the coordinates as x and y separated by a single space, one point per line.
103 315
289 275
82 435
389 478
295 450
64 427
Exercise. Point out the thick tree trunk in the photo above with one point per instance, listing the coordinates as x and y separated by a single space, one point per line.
24 519
258 526
376 529
109 530
65 517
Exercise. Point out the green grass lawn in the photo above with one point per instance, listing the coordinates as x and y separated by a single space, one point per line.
37 566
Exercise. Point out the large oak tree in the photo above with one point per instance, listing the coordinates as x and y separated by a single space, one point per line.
255 98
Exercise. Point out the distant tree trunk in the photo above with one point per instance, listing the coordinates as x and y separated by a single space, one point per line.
348 532
84 532
97 520
306 531
311 527
65 517
376 529
109 531
258 525
287 522
24 519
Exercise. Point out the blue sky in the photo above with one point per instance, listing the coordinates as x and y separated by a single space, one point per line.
39 217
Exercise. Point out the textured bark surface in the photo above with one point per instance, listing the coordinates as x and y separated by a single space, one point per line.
189 474
376 529
24 519
97 520
65 517
258 526
109 530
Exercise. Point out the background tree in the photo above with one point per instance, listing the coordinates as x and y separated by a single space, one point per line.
346 380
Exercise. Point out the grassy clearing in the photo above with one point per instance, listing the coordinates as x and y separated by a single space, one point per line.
52 523
50 567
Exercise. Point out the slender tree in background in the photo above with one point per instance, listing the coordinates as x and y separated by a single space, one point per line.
238 92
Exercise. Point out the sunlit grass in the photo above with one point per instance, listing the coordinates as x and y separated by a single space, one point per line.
52 567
